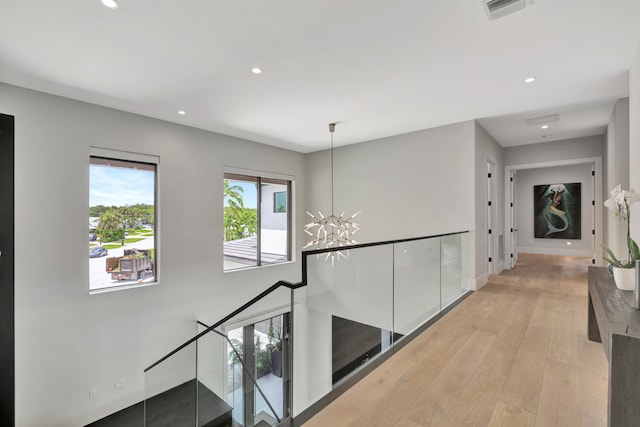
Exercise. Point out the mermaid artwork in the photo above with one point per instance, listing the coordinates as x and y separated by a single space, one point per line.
557 220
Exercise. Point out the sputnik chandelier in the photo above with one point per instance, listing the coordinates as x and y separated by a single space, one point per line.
331 231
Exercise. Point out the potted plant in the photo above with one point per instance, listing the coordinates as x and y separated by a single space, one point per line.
275 345
623 270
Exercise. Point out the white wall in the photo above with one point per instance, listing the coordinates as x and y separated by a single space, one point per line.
488 149
555 151
527 178
617 153
411 185
634 139
269 219
68 341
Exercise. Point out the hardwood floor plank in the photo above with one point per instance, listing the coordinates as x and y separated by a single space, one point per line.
434 403
507 343
564 342
337 413
524 382
474 406
505 415
406 423
593 377
559 398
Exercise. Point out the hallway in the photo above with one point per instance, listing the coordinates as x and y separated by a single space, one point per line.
513 354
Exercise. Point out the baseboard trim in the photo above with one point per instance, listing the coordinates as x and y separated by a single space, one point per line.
480 281
555 251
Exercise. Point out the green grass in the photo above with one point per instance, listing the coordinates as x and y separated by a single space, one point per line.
112 245
133 239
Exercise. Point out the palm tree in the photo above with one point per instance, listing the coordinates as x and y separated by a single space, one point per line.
232 195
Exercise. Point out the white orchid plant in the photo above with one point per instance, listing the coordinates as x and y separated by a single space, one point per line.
619 202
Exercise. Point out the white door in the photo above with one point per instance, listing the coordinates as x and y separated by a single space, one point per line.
593 213
491 231
513 256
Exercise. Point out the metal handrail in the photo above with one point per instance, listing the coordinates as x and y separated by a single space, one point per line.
272 288
380 243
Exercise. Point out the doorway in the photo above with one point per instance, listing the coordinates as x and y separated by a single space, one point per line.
491 215
512 208
258 385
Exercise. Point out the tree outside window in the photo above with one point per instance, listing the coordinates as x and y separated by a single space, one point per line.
256 231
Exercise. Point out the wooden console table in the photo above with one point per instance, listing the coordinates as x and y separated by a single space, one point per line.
614 322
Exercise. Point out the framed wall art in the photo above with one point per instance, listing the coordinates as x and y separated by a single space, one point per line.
557 211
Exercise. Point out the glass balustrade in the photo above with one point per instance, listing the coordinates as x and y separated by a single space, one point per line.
356 307
172 390
293 344
233 375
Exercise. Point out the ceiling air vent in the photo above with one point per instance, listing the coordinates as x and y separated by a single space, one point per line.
499 8
542 120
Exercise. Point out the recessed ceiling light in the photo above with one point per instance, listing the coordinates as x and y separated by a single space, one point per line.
111 4
182 113
544 127
530 80
256 70
568 243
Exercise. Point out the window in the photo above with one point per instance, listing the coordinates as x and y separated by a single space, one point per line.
122 220
280 202
257 221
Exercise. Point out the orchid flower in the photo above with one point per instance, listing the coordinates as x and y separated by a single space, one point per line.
619 202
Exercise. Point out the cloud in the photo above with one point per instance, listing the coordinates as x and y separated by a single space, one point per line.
118 186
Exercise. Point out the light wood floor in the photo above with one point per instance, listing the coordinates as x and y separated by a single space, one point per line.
513 354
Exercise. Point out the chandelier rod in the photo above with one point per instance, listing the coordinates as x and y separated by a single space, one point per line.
332 128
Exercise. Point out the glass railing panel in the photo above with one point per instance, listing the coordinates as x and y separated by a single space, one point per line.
453 268
214 404
171 391
234 376
257 374
343 318
416 284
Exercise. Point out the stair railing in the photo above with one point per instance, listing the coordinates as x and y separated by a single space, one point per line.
269 290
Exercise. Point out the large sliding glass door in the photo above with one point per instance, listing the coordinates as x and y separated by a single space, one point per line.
259 388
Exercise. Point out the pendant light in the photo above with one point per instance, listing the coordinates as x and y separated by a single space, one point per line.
331 231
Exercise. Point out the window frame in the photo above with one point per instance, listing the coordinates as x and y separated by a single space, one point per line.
276 203
264 178
152 162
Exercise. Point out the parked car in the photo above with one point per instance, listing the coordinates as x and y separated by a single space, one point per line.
92 237
97 252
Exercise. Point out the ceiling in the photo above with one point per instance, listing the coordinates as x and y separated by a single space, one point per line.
376 67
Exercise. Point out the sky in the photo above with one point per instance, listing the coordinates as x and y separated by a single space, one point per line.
116 186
